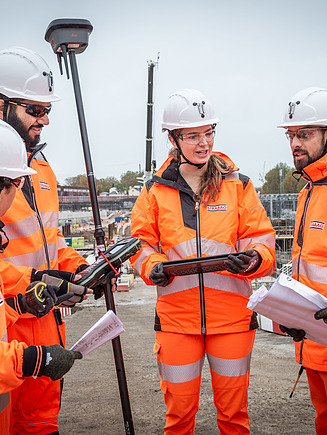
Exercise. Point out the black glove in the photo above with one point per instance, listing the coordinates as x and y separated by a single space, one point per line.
37 275
296 334
39 299
75 291
52 361
321 314
98 291
158 276
242 263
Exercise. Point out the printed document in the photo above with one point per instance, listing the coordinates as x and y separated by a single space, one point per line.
105 329
292 304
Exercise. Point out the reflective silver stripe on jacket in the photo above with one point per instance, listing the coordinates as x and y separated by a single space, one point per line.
266 239
310 270
4 401
211 280
181 373
232 176
35 259
146 250
230 367
61 243
5 397
29 226
188 248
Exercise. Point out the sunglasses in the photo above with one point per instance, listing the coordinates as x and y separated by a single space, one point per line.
18 182
302 133
35 110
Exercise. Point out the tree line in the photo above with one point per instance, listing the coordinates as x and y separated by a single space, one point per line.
127 179
280 179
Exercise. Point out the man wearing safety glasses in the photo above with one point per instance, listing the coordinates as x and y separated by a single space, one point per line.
305 121
36 247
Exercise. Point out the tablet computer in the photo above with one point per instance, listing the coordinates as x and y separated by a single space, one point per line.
191 266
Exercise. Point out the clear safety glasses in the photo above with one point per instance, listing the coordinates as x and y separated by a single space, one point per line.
195 138
302 133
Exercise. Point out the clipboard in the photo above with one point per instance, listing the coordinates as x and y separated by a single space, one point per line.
191 266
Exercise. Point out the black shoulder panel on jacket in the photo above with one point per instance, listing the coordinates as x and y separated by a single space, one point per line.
245 180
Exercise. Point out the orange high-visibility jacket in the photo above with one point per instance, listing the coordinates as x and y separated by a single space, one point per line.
163 218
309 251
35 242
11 362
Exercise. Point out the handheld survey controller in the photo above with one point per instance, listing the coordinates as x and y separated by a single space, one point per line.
103 268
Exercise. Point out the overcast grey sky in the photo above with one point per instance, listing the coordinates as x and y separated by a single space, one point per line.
248 57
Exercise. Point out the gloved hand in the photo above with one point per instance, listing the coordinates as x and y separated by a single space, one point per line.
39 299
321 314
158 276
99 290
242 263
52 361
296 334
65 287
37 275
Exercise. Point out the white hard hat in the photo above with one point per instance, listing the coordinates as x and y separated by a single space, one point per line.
307 107
25 75
188 108
13 161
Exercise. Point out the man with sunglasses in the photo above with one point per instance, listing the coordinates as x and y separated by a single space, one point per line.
305 121
36 246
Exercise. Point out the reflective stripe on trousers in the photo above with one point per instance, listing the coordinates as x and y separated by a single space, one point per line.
180 359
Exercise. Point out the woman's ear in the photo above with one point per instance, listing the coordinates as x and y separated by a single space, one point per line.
1 108
172 141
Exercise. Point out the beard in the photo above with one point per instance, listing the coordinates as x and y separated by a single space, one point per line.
23 132
307 160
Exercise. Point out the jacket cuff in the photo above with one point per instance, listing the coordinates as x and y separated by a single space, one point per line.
16 304
34 358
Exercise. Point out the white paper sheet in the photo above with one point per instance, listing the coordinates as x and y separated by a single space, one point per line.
292 304
105 329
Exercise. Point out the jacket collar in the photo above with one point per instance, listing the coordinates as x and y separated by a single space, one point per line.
317 170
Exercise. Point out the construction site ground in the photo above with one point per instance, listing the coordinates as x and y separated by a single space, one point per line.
91 401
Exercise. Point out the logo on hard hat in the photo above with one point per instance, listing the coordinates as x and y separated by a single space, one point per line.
291 109
200 108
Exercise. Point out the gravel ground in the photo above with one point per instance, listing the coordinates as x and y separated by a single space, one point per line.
91 402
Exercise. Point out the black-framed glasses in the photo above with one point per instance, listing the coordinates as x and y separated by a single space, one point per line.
195 138
302 133
35 110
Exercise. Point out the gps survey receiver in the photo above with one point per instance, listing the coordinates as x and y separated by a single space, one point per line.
104 268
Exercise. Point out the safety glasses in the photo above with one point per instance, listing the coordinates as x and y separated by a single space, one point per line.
195 138
35 110
18 182
302 134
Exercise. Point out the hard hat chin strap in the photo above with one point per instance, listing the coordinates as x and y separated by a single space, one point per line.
197 165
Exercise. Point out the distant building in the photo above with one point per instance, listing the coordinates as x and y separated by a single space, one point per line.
72 191
134 190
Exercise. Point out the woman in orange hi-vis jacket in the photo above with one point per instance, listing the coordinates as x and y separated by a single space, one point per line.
198 204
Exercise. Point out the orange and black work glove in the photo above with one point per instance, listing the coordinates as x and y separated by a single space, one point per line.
52 361
158 276
296 334
242 263
64 281
321 314
39 299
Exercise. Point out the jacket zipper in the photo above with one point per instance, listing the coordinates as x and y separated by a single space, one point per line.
200 274
32 192
302 225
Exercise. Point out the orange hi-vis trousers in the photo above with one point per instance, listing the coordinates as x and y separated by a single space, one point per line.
180 359
318 391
